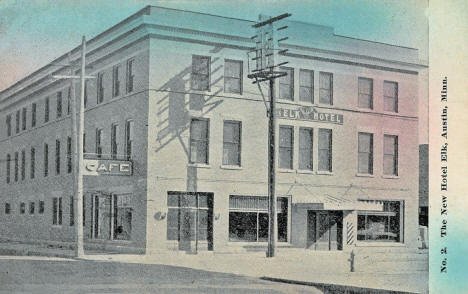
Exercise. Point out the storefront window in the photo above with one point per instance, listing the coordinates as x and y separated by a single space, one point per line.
248 219
123 217
382 226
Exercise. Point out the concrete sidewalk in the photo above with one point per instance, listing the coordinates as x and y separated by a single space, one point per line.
296 266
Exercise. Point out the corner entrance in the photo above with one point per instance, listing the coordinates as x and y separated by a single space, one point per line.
190 220
324 229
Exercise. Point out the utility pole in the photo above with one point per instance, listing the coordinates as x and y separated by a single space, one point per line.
77 146
266 53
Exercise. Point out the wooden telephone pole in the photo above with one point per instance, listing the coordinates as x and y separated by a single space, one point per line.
266 53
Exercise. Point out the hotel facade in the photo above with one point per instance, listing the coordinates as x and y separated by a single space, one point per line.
175 141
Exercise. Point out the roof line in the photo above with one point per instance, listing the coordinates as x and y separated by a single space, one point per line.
203 13
383 43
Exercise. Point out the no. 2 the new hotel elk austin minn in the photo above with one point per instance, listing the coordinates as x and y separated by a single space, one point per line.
175 141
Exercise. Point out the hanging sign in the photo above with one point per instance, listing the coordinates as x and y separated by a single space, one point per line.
310 114
107 167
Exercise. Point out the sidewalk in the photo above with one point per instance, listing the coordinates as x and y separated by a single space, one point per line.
294 267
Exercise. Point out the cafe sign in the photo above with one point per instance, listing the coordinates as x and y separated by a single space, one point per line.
107 167
309 113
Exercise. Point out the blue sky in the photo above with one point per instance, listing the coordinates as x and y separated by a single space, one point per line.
32 33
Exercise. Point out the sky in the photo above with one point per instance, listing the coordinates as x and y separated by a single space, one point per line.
32 33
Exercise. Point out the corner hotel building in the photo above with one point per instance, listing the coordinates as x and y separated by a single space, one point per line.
172 98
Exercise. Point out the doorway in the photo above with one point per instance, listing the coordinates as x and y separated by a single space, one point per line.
324 229
111 217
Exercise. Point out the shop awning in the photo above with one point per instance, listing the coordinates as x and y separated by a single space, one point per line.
328 198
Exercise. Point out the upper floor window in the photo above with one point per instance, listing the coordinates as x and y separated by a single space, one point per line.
16 166
59 104
69 100
46 160
18 115
115 81
305 148
306 85
33 115
98 143
390 96
46 109
233 76
325 150
232 143
85 102
365 153
57 211
23 118
199 140
130 75
23 165
286 84
100 87
200 78
22 208
8 168
326 88
57 157
8 124
69 154
7 208
33 163
286 143
365 93
129 139
114 140
32 207
390 160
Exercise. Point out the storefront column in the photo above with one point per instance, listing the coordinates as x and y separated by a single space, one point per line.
349 229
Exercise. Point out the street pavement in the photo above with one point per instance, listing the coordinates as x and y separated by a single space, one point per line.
57 275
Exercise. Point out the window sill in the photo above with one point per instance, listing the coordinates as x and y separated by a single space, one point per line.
231 167
360 109
199 165
305 171
364 175
284 170
390 177
326 173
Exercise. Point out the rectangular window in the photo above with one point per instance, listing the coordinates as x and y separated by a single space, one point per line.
8 124
100 87
16 166
382 226
199 141
286 142
326 88
128 139
59 104
72 211
33 115
200 78
69 101
7 208
32 207
8 168
114 140
390 160
57 211
23 118
22 207
69 155
18 113
86 93
115 81
365 93
130 75
46 160
23 165
286 84
122 217
57 157
305 148
232 76
248 218
365 153
232 143
99 143
325 150
33 163
306 85
46 109
390 96
41 207
84 143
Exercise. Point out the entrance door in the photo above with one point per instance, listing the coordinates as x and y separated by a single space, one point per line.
324 230
187 228
102 217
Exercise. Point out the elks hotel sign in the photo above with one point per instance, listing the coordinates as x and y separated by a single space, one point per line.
309 113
